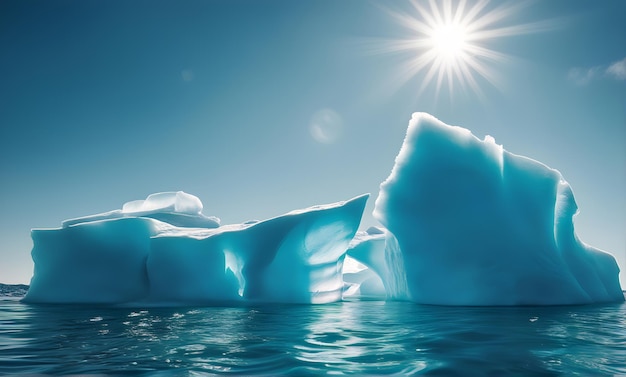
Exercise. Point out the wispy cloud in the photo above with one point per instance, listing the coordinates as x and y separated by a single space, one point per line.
583 76
617 70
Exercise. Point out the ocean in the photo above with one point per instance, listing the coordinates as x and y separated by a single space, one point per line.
351 338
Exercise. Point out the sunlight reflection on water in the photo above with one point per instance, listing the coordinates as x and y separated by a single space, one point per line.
351 337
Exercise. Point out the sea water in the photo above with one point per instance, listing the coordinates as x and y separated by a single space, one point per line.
352 337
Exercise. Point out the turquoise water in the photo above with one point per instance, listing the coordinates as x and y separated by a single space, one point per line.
354 337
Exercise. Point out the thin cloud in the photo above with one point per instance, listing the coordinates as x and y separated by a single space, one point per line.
617 70
583 76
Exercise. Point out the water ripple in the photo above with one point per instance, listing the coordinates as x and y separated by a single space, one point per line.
362 338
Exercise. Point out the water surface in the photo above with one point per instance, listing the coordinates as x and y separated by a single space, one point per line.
353 337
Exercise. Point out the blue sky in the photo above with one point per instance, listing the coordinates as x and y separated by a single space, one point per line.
103 102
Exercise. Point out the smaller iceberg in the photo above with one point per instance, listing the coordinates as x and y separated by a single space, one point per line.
164 251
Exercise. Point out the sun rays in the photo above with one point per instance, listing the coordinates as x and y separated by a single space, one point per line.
449 42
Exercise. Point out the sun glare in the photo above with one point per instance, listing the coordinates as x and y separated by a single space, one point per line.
449 41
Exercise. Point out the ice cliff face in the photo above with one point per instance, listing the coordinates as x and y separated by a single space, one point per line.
477 225
134 256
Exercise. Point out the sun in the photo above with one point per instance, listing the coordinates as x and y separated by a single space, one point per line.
449 41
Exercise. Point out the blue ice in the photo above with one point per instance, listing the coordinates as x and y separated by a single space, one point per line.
134 256
464 222
473 224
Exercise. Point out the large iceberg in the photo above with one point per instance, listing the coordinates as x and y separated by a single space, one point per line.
163 251
465 223
469 223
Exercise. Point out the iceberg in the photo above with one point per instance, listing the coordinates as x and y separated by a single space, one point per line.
469 223
464 222
155 252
